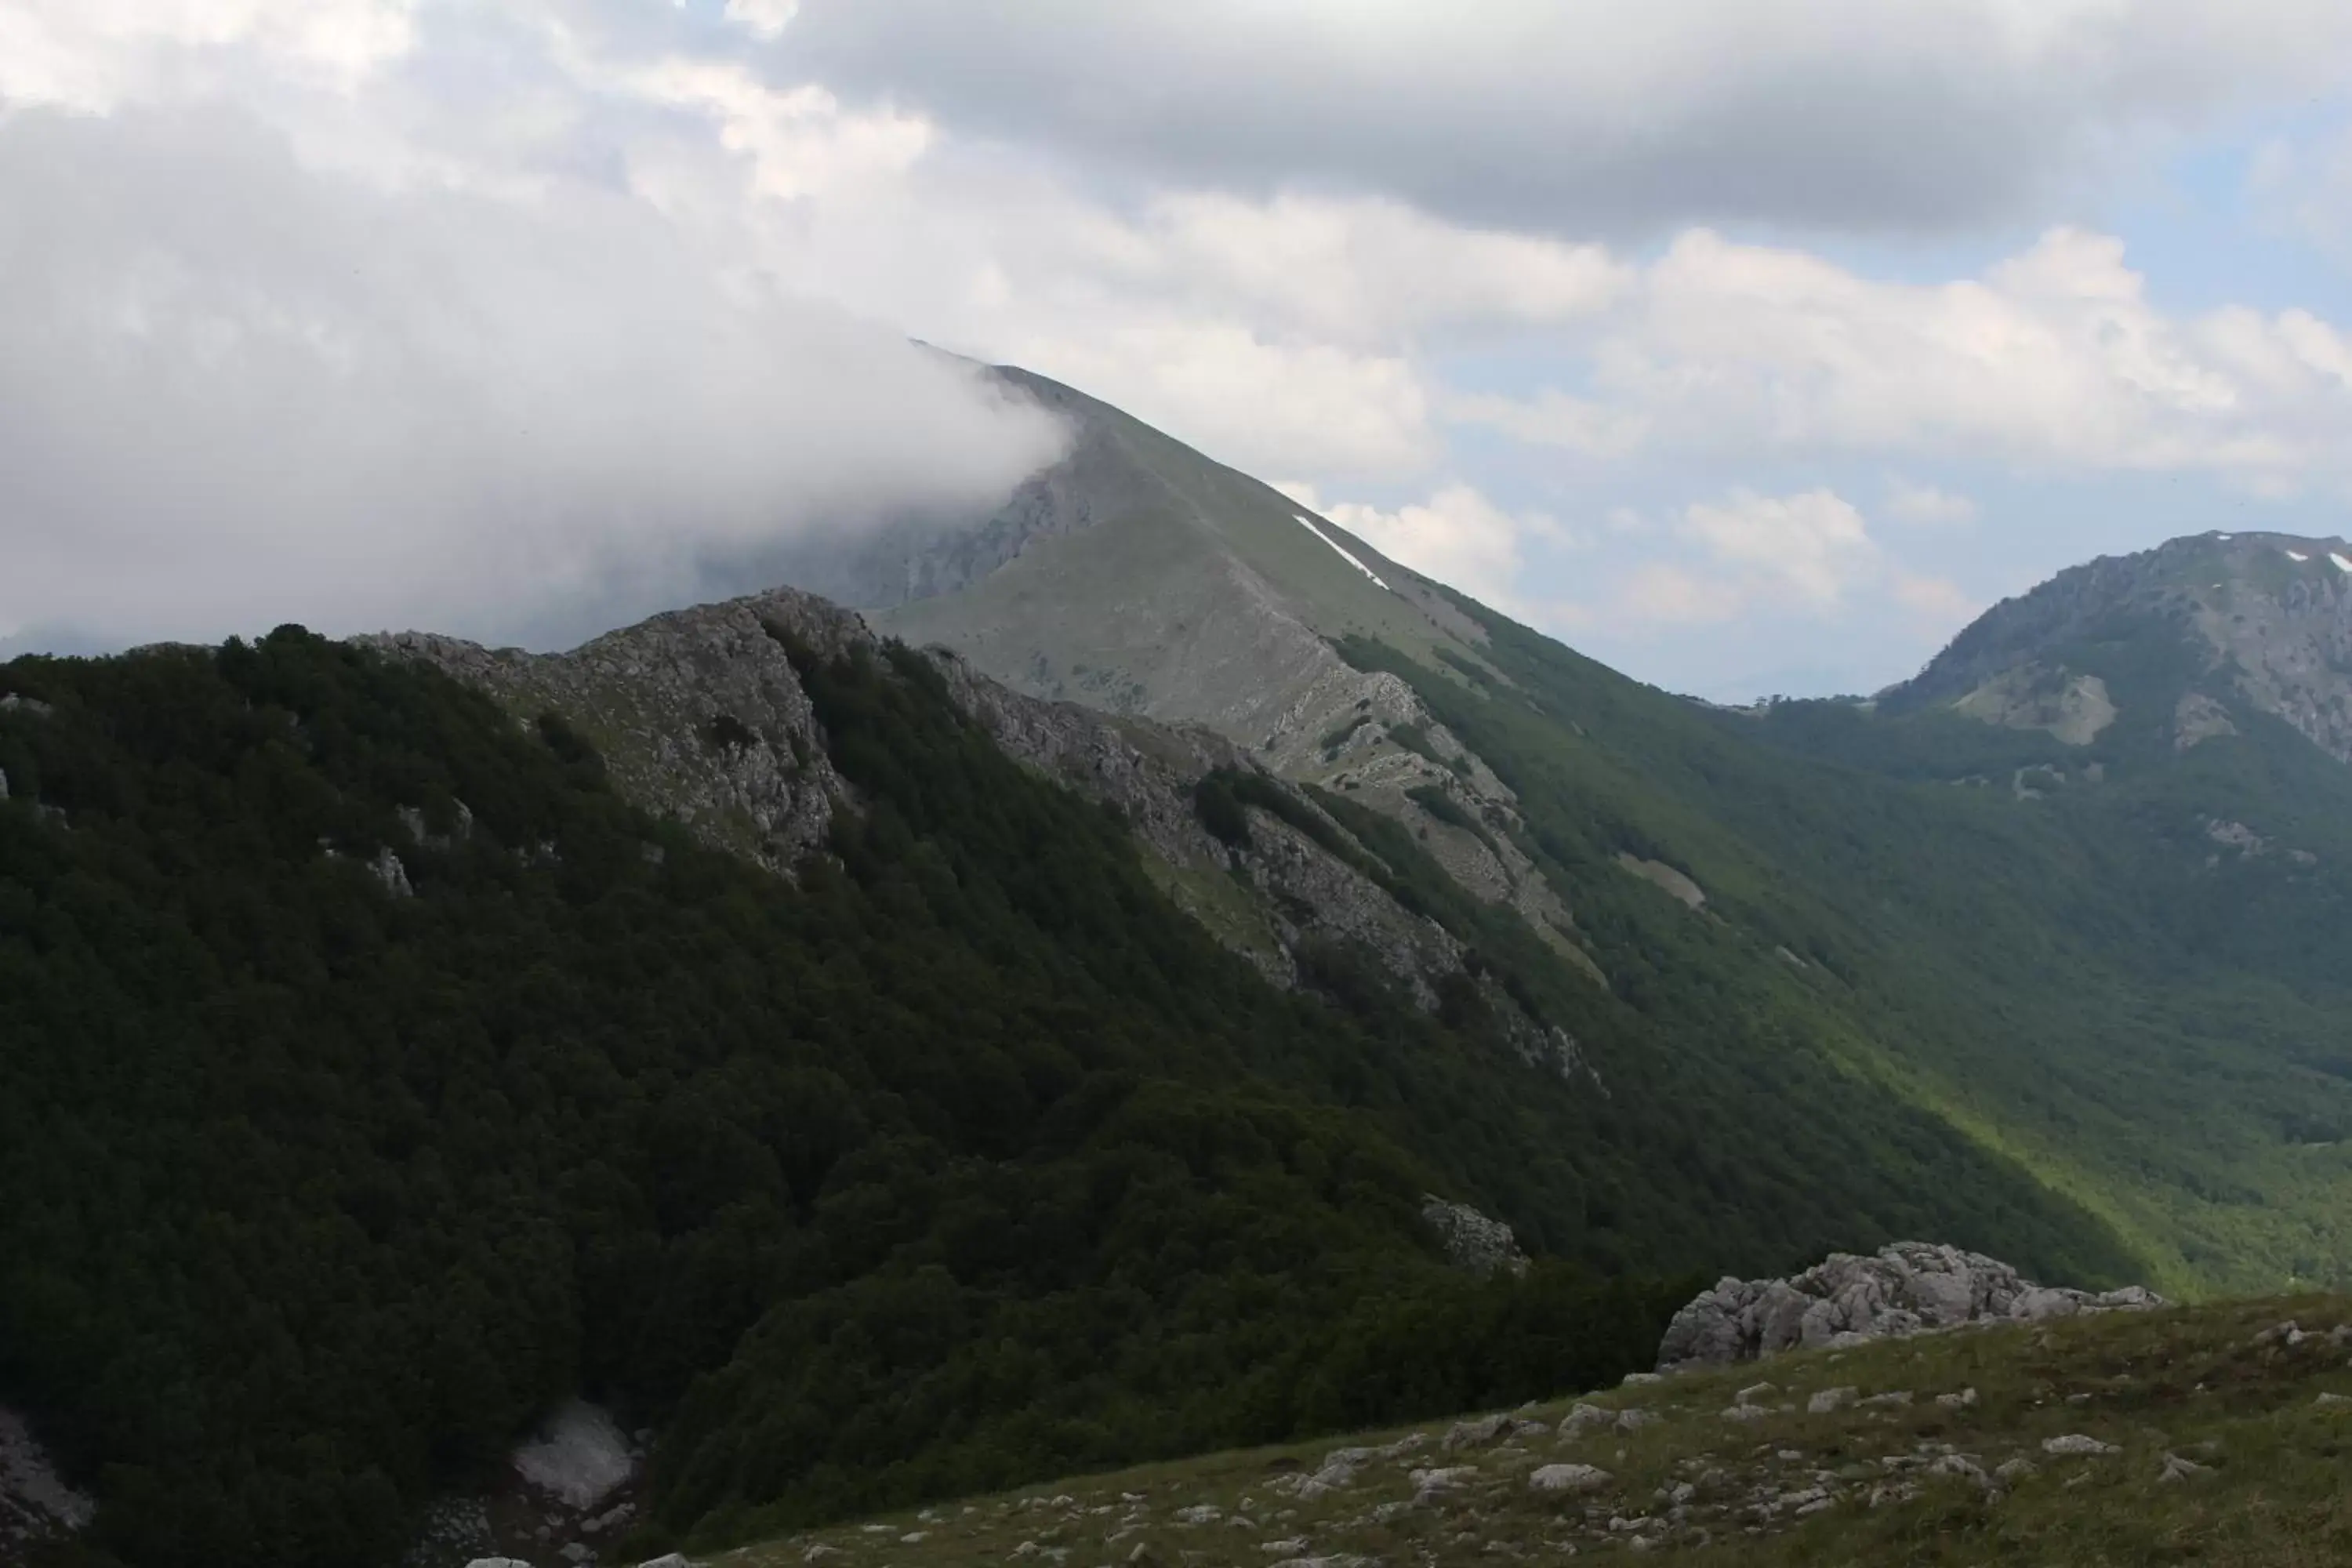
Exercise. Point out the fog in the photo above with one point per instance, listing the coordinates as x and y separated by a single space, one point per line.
236 390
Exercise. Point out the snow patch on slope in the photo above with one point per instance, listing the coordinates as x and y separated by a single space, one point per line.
1335 544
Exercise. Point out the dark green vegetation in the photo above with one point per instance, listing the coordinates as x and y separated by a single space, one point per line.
2217 1441
964 1160
2045 945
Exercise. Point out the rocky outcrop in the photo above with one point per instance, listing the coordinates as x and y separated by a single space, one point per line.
697 713
568 1496
1472 1242
1908 1288
699 716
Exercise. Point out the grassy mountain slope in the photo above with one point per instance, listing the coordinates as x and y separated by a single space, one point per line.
2216 1441
2034 970
2077 895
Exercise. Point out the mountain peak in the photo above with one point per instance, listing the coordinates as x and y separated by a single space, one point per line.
2200 622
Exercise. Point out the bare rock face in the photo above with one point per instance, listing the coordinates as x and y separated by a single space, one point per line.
1473 1241
697 713
578 1458
1908 1288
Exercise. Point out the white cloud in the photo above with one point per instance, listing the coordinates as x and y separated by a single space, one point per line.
799 141
234 390
1593 114
1809 556
1812 546
762 18
1926 506
1256 403
92 55
664 223
2054 359
1363 270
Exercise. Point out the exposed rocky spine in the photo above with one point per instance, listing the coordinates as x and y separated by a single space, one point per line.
700 716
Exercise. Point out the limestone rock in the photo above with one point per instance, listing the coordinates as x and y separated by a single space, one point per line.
388 870
2076 1443
1568 1479
2178 1470
1908 1288
579 1456
1473 1434
1472 1242
1587 1418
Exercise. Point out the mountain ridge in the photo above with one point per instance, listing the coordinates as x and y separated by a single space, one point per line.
1583 787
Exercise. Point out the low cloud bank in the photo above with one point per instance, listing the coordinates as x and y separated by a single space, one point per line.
236 390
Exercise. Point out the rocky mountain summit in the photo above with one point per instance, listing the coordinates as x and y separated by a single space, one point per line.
1139 577
2262 620
1906 1288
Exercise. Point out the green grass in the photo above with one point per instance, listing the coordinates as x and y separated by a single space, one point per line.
2196 1383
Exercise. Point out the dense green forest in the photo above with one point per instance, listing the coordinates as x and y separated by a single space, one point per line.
960 1160
2042 943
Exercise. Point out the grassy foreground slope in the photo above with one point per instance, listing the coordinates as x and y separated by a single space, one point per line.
2188 1435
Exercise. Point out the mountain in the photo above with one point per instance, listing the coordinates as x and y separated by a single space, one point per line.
2261 621
1139 578
2102 936
811 1051
1153 1006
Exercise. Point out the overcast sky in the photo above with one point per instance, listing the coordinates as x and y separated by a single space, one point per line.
1751 345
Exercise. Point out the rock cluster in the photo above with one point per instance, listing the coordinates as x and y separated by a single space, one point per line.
1908 1288
1472 1242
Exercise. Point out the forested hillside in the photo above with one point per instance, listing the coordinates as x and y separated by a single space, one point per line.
2080 953
376 1076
